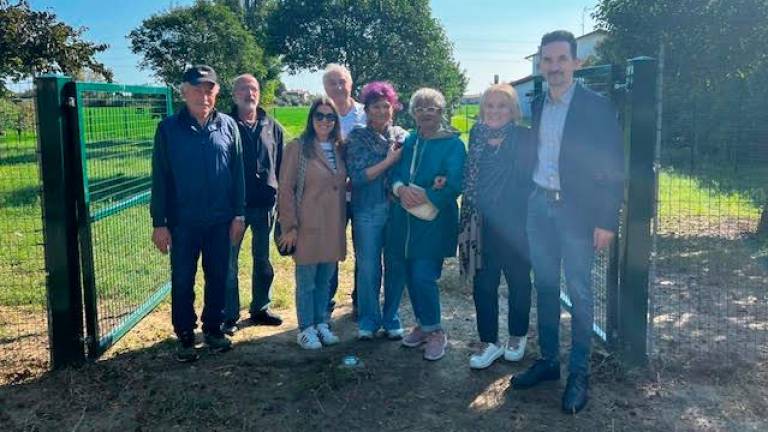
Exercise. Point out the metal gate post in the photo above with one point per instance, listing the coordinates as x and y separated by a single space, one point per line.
635 262
62 261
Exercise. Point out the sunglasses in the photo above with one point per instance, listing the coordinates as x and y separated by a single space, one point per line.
430 110
318 116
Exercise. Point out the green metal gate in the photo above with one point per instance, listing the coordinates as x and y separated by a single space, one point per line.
123 279
97 160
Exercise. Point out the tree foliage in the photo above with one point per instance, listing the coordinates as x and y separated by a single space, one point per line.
36 42
715 70
395 40
253 15
204 33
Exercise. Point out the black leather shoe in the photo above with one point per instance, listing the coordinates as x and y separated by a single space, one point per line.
576 393
229 328
266 317
541 371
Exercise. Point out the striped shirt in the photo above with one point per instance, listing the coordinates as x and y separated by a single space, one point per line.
553 115
330 155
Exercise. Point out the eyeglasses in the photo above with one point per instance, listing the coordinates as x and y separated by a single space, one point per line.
430 110
318 116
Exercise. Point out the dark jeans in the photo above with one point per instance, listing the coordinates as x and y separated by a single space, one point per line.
512 260
335 275
556 237
260 221
187 244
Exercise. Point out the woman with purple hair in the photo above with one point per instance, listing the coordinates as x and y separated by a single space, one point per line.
371 152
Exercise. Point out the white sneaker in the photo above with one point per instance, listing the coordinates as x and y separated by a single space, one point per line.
395 334
486 357
364 335
326 335
307 339
515 349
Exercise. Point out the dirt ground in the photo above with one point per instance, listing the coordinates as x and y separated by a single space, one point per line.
266 382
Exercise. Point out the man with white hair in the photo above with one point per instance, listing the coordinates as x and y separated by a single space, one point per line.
197 206
262 139
337 82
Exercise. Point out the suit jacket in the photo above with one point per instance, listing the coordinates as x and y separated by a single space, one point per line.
591 159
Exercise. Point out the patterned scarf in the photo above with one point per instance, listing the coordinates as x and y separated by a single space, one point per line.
470 224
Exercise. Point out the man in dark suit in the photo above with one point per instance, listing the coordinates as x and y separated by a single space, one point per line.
578 172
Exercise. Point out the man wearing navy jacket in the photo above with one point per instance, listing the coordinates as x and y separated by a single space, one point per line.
578 174
197 206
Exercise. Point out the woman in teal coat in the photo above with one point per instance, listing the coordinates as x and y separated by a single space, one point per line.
423 226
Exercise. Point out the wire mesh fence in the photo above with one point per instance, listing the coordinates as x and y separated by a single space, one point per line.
709 296
24 349
123 277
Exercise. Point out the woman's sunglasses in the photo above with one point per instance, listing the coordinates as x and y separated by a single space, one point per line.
318 116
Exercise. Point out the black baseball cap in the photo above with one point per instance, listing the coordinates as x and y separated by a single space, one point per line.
199 74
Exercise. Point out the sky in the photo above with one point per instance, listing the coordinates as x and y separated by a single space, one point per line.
489 36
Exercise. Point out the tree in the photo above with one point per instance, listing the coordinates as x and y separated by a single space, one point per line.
204 33
395 40
253 15
35 42
716 66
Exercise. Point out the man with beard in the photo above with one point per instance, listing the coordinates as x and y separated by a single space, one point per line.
578 172
262 140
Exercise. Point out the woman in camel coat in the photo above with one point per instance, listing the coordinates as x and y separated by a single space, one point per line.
312 218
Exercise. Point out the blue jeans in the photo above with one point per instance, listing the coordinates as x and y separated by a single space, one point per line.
312 284
369 228
260 220
556 237
420 276
188 243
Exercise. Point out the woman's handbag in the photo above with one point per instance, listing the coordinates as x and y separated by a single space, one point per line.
298 195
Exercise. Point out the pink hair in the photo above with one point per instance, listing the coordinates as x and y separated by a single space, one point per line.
377 90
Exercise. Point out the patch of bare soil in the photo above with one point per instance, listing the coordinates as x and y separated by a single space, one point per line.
24 350
709 296
268 383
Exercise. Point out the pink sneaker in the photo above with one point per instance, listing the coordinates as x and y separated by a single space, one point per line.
415 338
436 343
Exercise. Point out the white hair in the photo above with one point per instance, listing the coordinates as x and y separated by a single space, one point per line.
426 96
243 77
337 68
